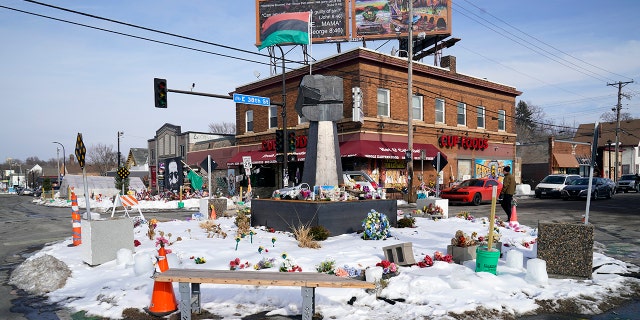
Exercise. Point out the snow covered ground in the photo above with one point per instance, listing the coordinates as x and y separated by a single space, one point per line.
436 292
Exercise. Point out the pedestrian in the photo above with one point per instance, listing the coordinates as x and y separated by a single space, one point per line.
508 189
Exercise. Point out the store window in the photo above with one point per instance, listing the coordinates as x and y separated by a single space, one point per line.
249 119
440 111
464 169
416 108
501 120
462 114
383 102
273 117
480 117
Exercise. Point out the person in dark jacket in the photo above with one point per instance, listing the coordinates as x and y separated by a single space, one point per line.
508 189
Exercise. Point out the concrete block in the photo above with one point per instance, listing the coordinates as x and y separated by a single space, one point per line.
400 254
442 203
101 239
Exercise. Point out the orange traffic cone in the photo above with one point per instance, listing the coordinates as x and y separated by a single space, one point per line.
213 214
163 300
163 264
513 222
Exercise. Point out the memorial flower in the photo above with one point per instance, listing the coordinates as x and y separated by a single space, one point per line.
387 266
439 256
462 239
376 226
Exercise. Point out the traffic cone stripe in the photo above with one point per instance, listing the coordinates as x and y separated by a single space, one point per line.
75 221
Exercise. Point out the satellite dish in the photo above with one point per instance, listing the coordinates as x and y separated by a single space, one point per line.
256 73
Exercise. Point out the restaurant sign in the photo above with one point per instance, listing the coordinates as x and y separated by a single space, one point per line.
465 142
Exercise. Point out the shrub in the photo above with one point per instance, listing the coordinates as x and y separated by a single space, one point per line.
319 233
304 238
406 223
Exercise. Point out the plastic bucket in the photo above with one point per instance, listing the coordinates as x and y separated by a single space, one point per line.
180 205
487 261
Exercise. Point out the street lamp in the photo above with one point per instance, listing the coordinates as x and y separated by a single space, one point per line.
120 134
64 162
609 150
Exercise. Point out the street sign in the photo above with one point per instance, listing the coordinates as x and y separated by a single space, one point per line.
81 151
246 162
205 165
247 99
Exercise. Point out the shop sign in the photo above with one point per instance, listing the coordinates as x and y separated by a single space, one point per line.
270 145
463 142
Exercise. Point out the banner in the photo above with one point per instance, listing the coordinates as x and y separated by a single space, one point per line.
173 175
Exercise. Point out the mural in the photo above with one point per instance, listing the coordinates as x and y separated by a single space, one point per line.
491 168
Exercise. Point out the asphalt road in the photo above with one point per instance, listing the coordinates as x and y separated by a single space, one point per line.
26 227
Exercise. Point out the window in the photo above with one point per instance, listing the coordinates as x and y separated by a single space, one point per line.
439 111
249 118
273 117
501 119
462 114
480 117
383 102
182 153
416 108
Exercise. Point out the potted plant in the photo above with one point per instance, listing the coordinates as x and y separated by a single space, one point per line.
463 247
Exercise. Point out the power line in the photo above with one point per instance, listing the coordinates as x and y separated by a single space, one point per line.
544 43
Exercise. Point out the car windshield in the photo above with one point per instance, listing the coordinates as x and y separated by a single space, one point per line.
472 183
581 182
628 177
553 179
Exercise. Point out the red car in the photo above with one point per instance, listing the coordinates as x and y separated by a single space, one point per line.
473 191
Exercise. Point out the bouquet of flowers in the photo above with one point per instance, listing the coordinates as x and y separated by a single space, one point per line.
388 267
439 256
326 266
426 262
265 263
288 265
461 239
347 271
237 265
376 226
433 210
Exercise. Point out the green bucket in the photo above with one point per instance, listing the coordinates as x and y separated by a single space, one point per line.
180 204
487 261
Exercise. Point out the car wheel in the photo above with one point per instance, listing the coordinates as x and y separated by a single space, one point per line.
477 198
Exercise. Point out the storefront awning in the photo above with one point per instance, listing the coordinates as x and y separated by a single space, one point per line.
360 148
385 149
566 160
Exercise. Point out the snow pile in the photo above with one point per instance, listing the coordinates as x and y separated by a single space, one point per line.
40 274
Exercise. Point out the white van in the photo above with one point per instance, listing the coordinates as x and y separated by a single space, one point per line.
353 178
552 184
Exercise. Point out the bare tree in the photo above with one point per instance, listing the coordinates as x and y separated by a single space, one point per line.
222 127
102 157
610 116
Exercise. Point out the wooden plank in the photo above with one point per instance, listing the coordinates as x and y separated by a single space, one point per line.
261 278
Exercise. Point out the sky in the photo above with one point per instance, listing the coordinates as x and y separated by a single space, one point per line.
60 79
431 292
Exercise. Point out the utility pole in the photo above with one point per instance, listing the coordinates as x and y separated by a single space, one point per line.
120 134
409 152
617 109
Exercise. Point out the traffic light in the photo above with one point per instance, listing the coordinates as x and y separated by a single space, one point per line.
279 141
160 92
291 142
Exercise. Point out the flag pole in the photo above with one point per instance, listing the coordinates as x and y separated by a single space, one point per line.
310 40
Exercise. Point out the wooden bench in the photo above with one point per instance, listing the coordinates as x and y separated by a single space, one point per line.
308 281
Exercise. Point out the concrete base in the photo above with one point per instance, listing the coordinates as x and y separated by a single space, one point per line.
101 239
442 203
339 217
567 248
461 254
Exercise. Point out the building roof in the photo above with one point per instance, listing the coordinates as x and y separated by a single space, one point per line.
629 134
138 156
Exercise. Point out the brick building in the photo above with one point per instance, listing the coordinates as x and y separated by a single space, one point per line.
468 119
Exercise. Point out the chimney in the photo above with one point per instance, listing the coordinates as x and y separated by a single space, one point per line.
449 62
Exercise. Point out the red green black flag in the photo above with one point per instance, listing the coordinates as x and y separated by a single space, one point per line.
285 28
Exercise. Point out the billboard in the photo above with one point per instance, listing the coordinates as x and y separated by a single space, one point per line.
389 19
330 18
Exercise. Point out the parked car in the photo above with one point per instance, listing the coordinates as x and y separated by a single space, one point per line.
354 179
579 188
473 191
37 191
628 182
552 184
359 178
25 192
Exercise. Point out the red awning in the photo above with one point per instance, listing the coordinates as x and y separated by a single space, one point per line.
358 148
261 157
385 149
